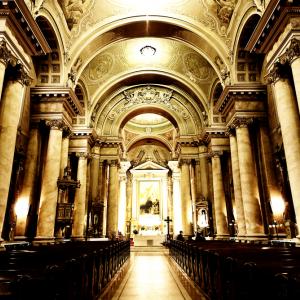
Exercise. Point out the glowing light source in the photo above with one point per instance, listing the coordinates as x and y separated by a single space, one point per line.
21 207
277 204
148 51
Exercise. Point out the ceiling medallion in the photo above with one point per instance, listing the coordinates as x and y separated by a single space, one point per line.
148 51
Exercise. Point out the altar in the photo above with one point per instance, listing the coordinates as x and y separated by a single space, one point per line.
148 240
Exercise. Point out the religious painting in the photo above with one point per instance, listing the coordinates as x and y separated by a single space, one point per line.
149 196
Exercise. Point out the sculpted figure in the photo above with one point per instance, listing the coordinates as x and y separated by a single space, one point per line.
225 11
73 10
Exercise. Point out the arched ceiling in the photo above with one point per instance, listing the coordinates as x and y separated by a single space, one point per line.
101 44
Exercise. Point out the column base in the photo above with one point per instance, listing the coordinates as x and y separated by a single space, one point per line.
222 237
44 240
78 238
256 236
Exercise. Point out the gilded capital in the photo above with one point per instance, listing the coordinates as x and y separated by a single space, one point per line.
6 55
23 76
82 155
293 51
215 154
113 163
230 131
278 72
56 124
242 122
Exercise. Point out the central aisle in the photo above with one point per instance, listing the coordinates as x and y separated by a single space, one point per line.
150 277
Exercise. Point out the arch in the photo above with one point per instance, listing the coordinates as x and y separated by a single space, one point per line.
110 116
48 68
197 37
46 13
138 139
249 16
186 89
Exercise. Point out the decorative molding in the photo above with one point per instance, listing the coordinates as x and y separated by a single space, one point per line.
24 27
275 18
58 93
230 93
113 163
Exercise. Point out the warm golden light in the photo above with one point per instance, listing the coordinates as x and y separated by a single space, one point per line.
278 206
21 207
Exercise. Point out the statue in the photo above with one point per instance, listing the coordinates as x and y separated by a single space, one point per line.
73 10
225 11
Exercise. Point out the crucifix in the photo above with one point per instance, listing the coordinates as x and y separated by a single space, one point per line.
168 220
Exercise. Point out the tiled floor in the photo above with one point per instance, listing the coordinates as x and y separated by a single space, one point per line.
151 275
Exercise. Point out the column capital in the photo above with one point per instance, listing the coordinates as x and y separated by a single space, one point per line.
184 162
240 122
67 132
292 52
56 124
230 131
113 163
278 71
174 166
215 154
6 56
82 155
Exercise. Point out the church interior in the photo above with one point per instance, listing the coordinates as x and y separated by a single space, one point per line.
125 122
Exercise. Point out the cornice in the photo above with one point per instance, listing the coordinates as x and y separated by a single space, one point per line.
211 132
275 17
24 26
255 91
44 93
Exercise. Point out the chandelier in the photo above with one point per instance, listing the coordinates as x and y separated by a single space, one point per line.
148 51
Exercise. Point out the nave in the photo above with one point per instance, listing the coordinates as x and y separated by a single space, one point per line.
152 274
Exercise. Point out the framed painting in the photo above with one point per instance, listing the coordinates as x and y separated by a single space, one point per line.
149 193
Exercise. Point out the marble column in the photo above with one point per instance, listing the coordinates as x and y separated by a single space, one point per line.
292 56
113 197
64 152
11 107
30 171
129 203
290 127
186 198
239 207
104 195
198 190
80 201
177 210
124 166
95 172
219 197
193 194
249 181
49 190
204 172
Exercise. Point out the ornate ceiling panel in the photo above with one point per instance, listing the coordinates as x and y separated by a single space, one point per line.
170 56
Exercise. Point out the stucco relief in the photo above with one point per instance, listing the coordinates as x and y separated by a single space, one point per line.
197 67
148 95
100 67
75 12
